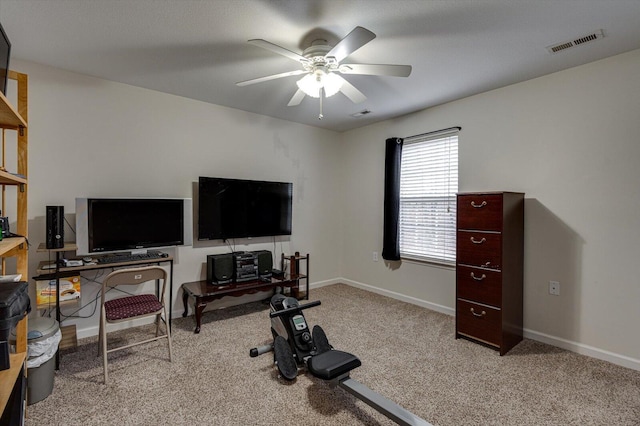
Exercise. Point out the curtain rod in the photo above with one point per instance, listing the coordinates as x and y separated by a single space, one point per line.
457 128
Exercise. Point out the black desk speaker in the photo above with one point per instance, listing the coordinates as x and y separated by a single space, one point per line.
265 262
219 268
55 227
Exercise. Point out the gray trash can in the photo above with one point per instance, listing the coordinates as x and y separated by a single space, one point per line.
43 339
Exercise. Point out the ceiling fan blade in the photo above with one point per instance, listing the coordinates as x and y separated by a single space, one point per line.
351 92
297 98
376 69
357 38
270 77
279 50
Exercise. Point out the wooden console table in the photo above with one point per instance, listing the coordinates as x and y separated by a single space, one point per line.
203 293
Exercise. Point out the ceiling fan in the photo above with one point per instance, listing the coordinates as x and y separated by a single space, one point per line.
321 64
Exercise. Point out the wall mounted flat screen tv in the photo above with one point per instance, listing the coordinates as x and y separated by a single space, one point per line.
5 55
237 208
132 224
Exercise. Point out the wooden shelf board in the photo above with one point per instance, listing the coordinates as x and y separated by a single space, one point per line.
297 276
8 377
9 117
7 178
68 246
40 270
8 244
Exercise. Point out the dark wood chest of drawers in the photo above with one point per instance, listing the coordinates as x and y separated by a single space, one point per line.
489 268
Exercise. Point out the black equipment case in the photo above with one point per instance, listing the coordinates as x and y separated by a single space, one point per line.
14 305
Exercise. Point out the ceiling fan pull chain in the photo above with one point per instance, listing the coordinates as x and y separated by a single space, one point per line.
320 116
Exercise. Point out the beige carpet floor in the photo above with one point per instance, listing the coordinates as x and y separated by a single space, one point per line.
409 354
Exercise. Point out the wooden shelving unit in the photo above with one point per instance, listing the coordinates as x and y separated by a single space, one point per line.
293 264
13 119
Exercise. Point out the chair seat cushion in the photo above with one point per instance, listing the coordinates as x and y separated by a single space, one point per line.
131 306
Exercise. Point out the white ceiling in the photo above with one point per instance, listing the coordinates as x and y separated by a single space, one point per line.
199 49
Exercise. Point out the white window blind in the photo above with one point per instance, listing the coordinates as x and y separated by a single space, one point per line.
428 187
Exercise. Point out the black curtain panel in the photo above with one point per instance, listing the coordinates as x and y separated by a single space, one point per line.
393 158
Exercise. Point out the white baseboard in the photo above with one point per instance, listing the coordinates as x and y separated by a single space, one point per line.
93 331
569 345
559 342
326 283
399 296
583 349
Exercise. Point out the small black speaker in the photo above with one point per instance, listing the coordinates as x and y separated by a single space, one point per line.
220 268
55 227
265 262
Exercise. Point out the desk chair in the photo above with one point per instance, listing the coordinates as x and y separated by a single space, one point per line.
132 307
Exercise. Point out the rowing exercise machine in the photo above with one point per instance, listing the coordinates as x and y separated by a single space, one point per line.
295 347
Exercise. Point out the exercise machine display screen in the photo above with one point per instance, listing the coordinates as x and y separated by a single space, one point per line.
298 322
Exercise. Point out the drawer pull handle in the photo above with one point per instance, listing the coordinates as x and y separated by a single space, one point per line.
475 314
474 241
477 206
478 278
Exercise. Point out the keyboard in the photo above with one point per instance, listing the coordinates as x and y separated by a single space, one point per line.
151 256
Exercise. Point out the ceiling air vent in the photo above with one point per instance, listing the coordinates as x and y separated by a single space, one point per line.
361 113
577 42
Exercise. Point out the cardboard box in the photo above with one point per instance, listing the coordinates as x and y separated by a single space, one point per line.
46 290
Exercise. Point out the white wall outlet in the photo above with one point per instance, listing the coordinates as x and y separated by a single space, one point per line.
375 256
554 288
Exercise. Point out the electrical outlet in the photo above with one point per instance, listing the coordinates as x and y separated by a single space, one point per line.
554 288
375 256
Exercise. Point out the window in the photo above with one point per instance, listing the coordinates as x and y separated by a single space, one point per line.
428 187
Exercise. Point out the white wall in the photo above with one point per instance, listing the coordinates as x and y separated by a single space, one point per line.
91 137
569 141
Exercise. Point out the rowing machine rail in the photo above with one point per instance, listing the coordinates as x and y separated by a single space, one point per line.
381 404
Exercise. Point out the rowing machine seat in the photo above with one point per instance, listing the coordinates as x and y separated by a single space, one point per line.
331 364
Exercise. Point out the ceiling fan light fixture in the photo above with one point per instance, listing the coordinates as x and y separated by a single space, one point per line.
332 84
311 84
